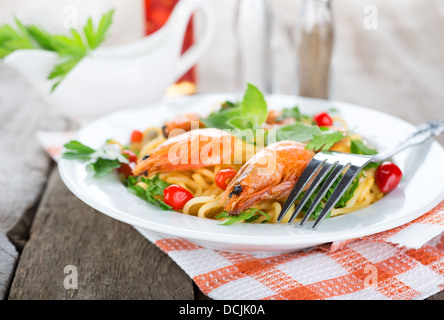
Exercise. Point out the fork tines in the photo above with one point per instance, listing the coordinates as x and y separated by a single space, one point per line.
322 171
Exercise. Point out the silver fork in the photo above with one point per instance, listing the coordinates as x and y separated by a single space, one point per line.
330 165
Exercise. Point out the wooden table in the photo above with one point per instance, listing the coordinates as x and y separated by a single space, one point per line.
397 68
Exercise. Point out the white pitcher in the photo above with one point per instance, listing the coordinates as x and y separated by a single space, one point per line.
112 78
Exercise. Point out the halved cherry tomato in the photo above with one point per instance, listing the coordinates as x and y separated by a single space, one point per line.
136 136
223 176
127 168
176 196
388 175
323 119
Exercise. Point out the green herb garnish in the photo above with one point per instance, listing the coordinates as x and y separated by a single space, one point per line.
102 161
342 202
248 215
297 131
296 114
71 48
153 191
359 147
251 113
325 140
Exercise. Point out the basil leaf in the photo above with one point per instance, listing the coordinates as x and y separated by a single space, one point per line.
220 119
254 107
240 122
251 113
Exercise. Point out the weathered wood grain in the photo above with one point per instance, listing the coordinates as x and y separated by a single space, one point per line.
24 165
396 68
112 259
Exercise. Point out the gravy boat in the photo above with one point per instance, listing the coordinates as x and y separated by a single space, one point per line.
116 77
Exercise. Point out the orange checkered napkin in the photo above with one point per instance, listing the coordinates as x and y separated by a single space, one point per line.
370 268
405 263
360 270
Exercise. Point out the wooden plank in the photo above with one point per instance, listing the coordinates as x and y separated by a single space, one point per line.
24 164
112 259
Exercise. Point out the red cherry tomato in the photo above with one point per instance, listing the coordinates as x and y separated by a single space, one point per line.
323 119
223 175
388 176
136 136
176 196
127 168
132 157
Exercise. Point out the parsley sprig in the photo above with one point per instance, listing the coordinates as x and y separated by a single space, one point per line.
103 160
71 48
109 157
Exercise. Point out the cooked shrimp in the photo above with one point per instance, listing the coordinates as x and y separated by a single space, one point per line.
275 117
269 174
184 122
193 149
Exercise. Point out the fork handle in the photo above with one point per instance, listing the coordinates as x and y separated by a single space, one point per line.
422 133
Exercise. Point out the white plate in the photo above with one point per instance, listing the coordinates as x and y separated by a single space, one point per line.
421 188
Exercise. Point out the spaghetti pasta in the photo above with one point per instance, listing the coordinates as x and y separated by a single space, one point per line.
209 200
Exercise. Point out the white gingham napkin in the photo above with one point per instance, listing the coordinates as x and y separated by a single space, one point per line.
404 263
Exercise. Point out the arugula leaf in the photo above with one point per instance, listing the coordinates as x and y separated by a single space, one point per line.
348 194
297 131
359 147
102 160
325 140
248 215
151 193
